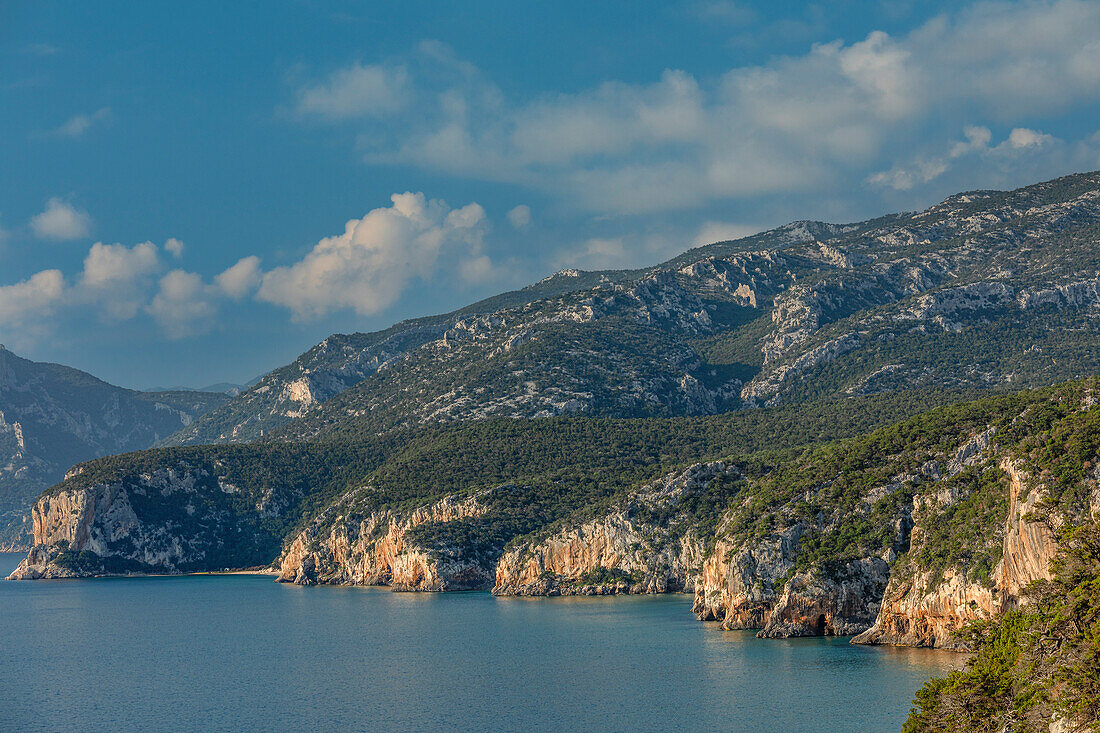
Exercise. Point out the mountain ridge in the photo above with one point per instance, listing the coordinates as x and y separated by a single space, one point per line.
851 435
52 416
774 316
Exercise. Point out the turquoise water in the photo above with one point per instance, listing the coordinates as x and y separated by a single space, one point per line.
243 653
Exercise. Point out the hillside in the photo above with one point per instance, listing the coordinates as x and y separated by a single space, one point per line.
1035 669
842 430
902 534
578 463
985 290
52 416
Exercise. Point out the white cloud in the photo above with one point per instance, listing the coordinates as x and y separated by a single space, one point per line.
801 124
1020 142
520 216
976 138
905 178
183 305
61 220
477 269
174 247
117 278
721 231
117 283
370 264
26 303
356 91
76 126
599 253
616 252
1021 137
240 279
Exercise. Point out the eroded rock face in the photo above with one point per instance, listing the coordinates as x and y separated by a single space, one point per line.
737 585
920 610
640 547
836 602
69 518
171 520
374 550
52 416
38 565
756 587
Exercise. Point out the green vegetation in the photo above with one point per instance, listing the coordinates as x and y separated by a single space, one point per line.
953 538
600 575
534 476
544 473
1031 666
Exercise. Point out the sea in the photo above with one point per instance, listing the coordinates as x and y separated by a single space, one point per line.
243 653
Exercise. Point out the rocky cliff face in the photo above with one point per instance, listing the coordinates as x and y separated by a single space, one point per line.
902 537
195 514
759 587
791 314
647 545
52 416
344 548
922 610
95 521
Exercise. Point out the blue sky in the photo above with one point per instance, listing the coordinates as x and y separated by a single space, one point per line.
199 192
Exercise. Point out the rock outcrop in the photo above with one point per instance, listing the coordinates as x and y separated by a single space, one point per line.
643 546
341 547
921 610
191 516
52 416
757 587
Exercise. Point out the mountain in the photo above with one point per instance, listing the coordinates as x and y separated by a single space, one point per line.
228 388
821 429
342 361
52 416
901 534
987 289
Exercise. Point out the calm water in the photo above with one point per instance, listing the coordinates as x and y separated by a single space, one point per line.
244 653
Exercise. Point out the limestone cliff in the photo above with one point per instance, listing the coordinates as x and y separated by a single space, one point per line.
344 547
194 515
756 586
922 610
53 416
646 545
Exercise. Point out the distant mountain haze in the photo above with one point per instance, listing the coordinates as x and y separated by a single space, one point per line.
53 416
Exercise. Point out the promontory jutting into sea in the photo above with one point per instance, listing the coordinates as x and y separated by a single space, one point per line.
835 474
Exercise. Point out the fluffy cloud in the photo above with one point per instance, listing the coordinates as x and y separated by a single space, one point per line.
520 216
1021 142
174 247
356 91
1021 137
370 264
27 302
366 268
76 126
617 252
117 277
61 220
183 305
800 124
240 279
